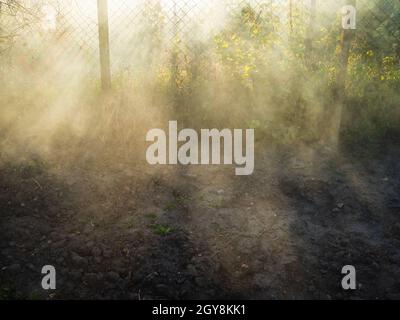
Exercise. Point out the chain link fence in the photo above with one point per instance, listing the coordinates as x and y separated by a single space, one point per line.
63 34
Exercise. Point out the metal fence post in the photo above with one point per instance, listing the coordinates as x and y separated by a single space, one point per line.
347 36
345 44
104 44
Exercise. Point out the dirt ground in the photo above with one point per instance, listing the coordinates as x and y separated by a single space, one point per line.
121 231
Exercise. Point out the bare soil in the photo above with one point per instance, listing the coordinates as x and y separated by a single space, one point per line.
119 230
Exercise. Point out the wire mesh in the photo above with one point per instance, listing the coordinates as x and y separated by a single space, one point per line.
145 33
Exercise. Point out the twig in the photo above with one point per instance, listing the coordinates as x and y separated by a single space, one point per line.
37 183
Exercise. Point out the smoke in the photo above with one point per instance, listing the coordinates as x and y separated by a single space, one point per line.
206 64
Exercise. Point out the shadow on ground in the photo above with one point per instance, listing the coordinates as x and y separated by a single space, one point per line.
126 231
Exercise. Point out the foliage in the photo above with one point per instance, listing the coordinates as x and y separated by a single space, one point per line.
270 67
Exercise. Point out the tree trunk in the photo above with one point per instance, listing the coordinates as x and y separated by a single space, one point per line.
310 35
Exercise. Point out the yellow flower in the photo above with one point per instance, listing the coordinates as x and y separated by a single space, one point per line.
225 44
